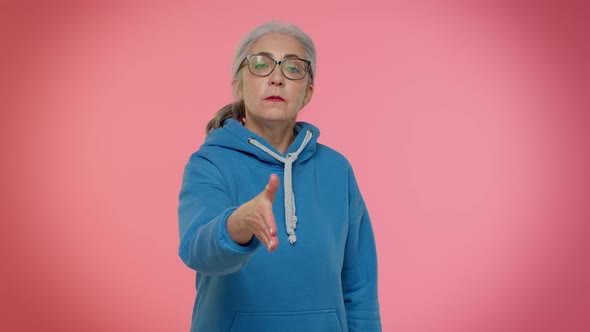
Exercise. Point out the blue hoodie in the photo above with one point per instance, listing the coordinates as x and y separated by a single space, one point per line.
323 274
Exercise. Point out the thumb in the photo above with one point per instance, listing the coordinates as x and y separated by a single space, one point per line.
271 187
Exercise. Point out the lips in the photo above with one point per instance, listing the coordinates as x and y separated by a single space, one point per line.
274 98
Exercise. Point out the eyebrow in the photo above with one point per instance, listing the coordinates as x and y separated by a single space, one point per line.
287 56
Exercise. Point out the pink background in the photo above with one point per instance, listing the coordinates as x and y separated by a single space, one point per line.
467 125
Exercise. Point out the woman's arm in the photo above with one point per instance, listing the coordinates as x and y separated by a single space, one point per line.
203 210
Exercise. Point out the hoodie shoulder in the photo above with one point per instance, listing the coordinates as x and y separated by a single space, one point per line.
335 156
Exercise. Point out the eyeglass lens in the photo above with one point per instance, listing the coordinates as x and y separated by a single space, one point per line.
262 65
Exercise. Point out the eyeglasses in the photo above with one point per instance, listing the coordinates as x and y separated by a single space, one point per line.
262 65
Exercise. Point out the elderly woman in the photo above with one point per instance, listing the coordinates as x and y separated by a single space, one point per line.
273 221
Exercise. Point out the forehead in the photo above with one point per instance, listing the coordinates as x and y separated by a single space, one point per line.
277 45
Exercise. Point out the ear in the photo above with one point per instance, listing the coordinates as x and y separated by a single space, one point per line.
308 94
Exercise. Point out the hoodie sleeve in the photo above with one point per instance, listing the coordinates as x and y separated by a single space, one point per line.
359 271
204 206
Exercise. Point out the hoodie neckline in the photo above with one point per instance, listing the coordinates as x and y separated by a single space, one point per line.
239 136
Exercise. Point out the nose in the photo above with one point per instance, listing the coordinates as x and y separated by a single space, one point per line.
276 77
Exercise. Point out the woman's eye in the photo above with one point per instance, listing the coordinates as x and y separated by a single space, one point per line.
260 65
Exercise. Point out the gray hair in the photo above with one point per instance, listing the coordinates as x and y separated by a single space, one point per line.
237 110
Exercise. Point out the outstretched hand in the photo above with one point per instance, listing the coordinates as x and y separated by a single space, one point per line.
255 218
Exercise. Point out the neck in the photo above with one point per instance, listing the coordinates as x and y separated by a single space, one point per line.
280 137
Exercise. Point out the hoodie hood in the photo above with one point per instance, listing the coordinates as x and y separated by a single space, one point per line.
236 137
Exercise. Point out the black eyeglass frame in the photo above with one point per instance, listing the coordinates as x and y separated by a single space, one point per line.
307 67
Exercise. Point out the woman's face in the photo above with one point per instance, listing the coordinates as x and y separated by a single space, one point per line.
274 99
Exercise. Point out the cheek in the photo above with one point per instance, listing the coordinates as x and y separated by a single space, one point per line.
244 92
301 97
250 90
249 95
246 86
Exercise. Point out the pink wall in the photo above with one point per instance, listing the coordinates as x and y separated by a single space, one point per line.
468 127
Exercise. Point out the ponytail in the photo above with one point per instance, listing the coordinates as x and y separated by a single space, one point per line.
235 110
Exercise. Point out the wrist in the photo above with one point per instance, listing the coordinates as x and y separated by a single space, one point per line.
236 232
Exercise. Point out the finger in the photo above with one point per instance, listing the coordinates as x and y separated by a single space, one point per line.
274 243
267 213
271 187
265 240
268 218
261 232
